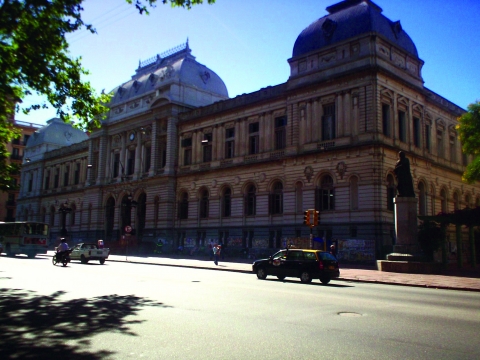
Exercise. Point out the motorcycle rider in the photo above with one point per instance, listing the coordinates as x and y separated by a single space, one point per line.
62 249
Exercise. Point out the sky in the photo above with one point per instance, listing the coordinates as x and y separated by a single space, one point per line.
248 42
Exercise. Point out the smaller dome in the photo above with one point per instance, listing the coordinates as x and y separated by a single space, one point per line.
57 133
348 19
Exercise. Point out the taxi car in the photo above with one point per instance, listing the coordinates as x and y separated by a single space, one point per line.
301 263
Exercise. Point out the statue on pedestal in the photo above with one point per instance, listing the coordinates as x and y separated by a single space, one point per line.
403 176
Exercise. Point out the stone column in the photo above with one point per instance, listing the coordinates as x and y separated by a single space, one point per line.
171 145
406 226
154 149
101 159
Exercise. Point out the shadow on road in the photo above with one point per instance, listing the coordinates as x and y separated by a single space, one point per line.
36 326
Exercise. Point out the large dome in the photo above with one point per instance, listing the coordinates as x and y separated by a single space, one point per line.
348 19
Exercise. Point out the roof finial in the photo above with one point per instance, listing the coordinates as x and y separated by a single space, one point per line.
188 47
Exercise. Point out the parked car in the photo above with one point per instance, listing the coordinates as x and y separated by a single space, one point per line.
301 263
89 251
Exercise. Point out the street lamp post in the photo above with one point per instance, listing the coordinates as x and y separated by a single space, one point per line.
64 210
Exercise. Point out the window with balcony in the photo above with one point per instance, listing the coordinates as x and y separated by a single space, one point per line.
187 151
66 175
276 199
325 194
251 201
204 204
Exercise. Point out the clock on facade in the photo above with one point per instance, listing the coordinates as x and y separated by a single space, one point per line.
132 136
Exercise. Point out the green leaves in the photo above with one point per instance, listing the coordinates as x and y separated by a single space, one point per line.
469 134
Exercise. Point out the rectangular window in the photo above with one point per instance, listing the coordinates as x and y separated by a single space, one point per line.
131 162
116 165
30 183
427 138
453 150
280 133
187 151
207 147
402 127
56 179
440 148
328 122
47 180
253 140
66 175
416 132
76 179
386 120
229 143
148 159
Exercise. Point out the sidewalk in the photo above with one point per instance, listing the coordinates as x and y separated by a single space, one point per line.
470 282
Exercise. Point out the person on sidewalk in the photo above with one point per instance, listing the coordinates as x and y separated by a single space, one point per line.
217 249
333 250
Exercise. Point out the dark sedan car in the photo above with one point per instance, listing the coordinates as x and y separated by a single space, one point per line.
301 263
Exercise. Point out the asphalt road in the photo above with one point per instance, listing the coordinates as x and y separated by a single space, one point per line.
133 311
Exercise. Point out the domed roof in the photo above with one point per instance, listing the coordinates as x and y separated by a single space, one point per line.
57 133
348 19
174 66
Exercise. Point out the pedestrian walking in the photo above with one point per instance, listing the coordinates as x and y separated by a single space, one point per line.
217 249
333 250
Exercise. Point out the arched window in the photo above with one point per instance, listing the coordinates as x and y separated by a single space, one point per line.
251 201
183 206
390 192
126 212
432 201
456 201
443 200
299 198
422 199
204 204
109 215
276 199
353 193
227 202
325 195
468 201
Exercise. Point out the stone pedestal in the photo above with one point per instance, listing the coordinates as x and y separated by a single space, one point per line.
406 227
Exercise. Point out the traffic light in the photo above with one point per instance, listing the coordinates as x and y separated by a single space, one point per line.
306 217
315 217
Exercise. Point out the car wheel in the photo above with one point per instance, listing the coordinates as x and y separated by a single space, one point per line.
305 277
261 273
325 280
83 259
281 277
102 261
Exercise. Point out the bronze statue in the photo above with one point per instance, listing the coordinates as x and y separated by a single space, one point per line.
404 177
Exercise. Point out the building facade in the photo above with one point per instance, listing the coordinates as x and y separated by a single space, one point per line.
177 159
16 149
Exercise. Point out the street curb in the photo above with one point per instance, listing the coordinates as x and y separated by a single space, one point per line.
439 287
337 279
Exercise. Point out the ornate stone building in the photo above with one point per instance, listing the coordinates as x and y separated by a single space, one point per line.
177 159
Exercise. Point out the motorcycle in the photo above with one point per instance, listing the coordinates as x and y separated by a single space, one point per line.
62 258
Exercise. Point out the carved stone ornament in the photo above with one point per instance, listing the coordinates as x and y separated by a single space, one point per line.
214 183
193 185
237 180
68 135
341 168
308 173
